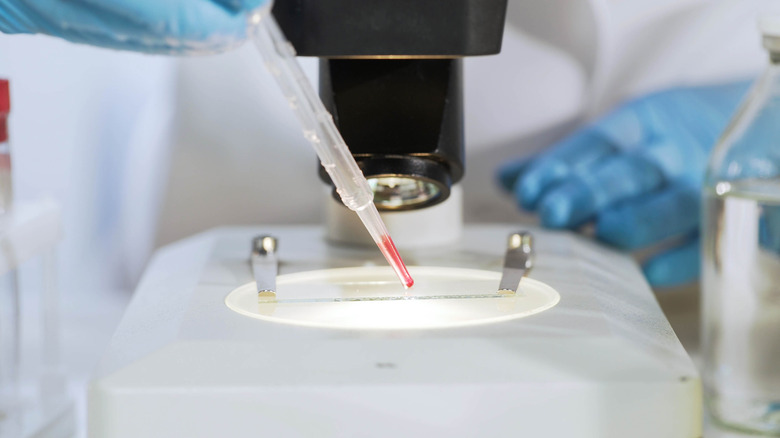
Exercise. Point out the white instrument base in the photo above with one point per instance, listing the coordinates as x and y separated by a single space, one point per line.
602 363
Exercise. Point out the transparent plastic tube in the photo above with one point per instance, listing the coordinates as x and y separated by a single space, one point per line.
318 127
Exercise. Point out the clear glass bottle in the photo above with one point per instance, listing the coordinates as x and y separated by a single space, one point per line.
741 260
34 399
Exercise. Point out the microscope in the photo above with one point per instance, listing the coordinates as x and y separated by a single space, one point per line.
280 330
391 75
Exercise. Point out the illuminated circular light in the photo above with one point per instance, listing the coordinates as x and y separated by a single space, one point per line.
322 299
395 192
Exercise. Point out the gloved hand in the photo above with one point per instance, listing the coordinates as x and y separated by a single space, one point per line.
637 173
152 26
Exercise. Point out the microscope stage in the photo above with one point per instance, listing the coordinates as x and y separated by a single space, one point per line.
602 362
371 297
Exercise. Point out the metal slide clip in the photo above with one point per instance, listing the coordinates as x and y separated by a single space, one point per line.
265 266
518 261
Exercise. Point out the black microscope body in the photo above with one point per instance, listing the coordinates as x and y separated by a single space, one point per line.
391 76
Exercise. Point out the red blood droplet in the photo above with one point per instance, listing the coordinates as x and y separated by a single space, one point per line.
391 254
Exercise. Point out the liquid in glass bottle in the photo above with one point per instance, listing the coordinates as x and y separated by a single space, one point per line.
741 260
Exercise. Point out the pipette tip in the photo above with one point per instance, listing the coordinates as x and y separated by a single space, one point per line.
394 258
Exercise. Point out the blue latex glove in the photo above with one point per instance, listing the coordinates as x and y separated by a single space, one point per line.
152 26
637 173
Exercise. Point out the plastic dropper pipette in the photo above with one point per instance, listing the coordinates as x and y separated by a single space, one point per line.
319 129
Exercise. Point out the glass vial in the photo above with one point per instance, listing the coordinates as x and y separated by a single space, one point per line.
9 294
6 188
741 260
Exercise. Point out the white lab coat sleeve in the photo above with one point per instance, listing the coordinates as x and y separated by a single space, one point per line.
649 45
630 48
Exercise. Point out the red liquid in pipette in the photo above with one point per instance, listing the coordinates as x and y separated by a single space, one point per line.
391 254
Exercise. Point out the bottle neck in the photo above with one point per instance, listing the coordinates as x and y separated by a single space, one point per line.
772 44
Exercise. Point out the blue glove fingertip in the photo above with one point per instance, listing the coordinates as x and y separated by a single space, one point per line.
611 227
557 211
567 206
527 191
674 268
530 187
649 219
618 227
664 274
508 174
555 214
658 272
